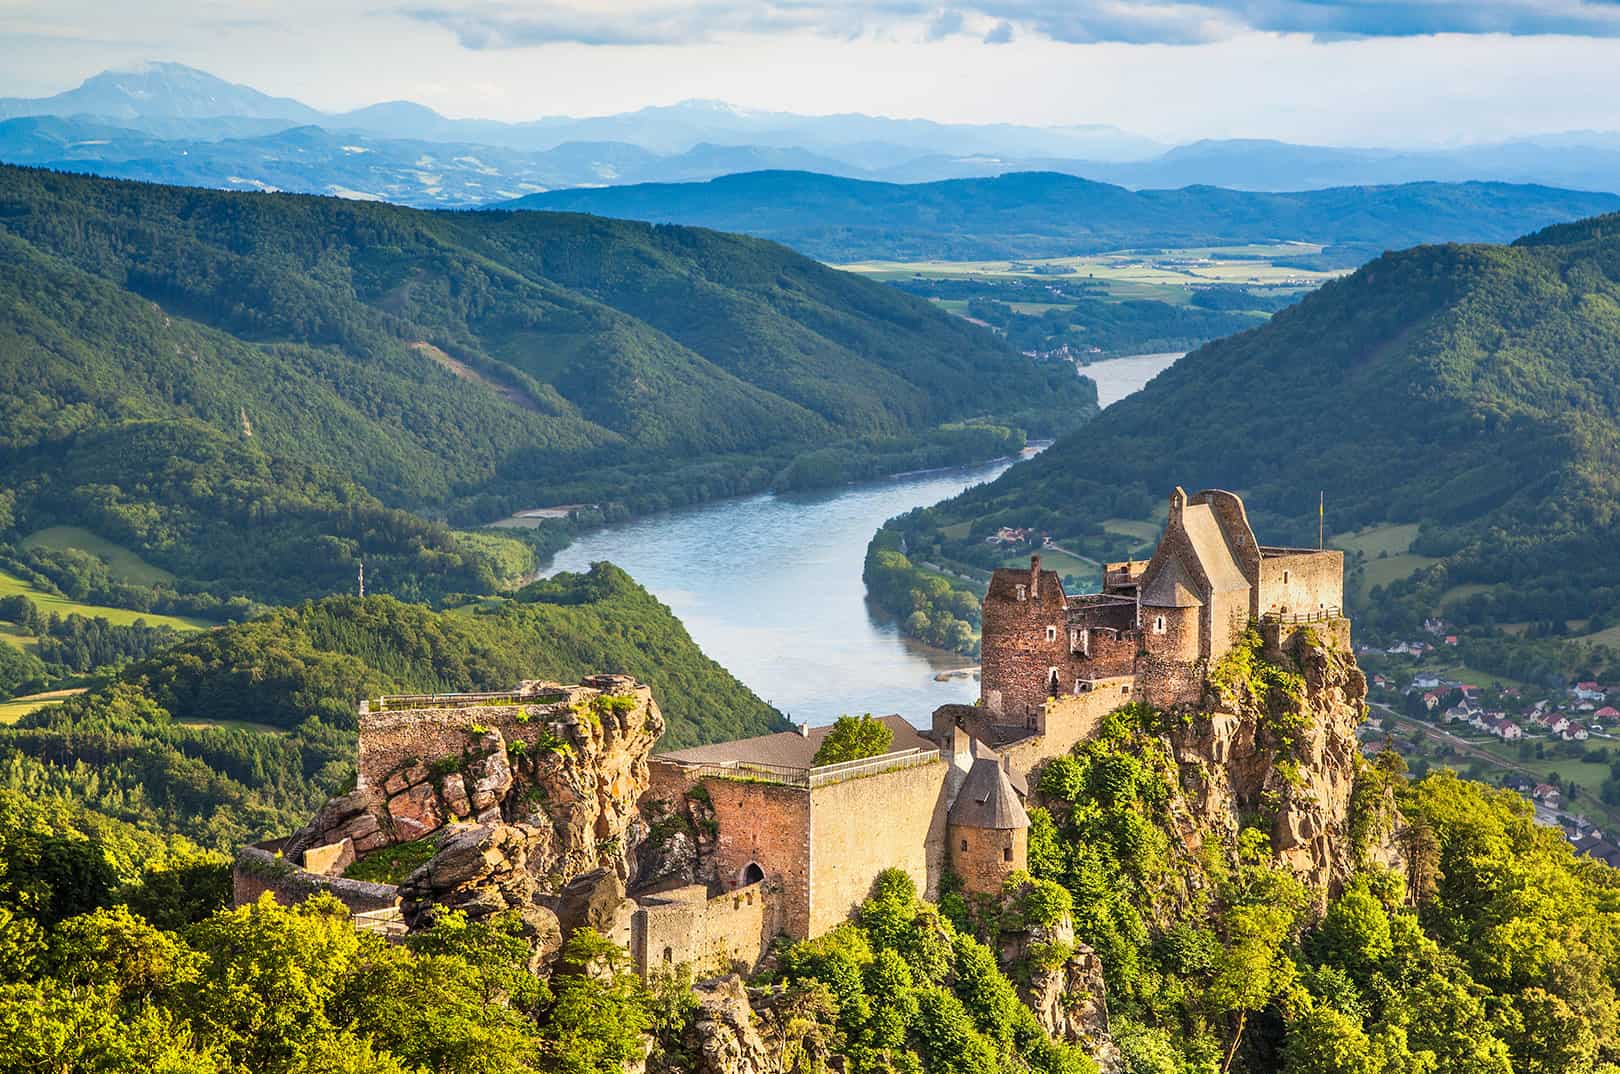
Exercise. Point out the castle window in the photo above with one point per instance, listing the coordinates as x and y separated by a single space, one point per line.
1158 624
753 874
1080 642
1006 853
1125 689
1051 682
1023 591
964 844
669 955
1285 577
1051 633
1079 686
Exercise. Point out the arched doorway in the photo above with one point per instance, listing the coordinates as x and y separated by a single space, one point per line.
753 874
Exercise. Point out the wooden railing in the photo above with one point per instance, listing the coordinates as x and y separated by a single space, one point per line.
1320 615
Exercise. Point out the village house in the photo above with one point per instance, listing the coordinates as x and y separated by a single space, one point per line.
1506 730
1547 795
1588 691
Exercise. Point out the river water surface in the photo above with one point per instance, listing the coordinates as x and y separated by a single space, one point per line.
770 585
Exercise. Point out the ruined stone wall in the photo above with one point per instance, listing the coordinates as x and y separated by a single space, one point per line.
1167 683
259 868
394 740
768 825
1020 640
1302 583
1333 634
862 826
726 933
985 857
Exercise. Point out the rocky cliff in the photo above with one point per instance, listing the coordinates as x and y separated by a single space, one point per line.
525 805
1274 744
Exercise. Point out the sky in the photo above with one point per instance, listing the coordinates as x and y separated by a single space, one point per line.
1362 72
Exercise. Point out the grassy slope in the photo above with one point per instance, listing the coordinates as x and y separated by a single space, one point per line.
51 603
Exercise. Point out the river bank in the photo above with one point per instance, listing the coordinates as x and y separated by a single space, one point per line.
770 585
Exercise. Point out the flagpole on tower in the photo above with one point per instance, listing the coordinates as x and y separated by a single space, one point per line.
1321 520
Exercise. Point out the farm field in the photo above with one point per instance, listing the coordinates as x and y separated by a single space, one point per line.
17 707
1166 275
11 585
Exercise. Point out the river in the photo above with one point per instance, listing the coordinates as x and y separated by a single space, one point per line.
770 585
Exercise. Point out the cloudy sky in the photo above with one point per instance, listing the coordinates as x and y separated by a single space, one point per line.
1321 71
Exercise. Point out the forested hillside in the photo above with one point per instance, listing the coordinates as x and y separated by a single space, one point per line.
240 733
1472 390
1048 214
183 369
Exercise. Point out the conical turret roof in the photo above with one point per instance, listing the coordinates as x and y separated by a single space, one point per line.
987 799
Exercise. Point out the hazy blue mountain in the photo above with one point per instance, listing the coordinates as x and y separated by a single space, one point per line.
183 107
161 91
1044 213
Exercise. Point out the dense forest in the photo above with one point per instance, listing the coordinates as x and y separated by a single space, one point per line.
239 733
251 391
1491 950
1048 214
1469 389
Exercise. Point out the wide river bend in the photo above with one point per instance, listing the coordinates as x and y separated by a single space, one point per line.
770 585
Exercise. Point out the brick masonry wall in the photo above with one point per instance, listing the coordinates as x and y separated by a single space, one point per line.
769 825
983 857
863 826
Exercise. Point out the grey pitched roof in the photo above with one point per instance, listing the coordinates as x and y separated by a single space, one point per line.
1172 585
1209 542
987 799
789 748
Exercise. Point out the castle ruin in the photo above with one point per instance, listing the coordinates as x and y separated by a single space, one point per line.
557 806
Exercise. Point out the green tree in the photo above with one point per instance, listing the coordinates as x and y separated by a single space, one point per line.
854 737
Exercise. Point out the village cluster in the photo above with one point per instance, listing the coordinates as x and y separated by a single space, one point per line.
1563 724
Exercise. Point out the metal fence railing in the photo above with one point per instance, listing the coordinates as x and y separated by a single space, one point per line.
792 776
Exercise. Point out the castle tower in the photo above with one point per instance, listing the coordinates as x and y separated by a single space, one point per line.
987 828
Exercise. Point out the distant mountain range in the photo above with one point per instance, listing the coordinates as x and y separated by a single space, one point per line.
171 123
1035 214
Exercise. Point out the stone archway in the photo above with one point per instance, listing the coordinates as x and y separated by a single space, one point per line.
751 874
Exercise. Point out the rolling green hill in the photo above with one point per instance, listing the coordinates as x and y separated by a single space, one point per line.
241 732
1472 390
247 391
1048 214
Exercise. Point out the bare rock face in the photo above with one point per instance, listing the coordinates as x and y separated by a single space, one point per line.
532 806
722 1038
1062 981
1287 754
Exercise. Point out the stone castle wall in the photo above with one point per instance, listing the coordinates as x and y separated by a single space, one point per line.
259 868
1302 583
724 933
864 825
983 857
